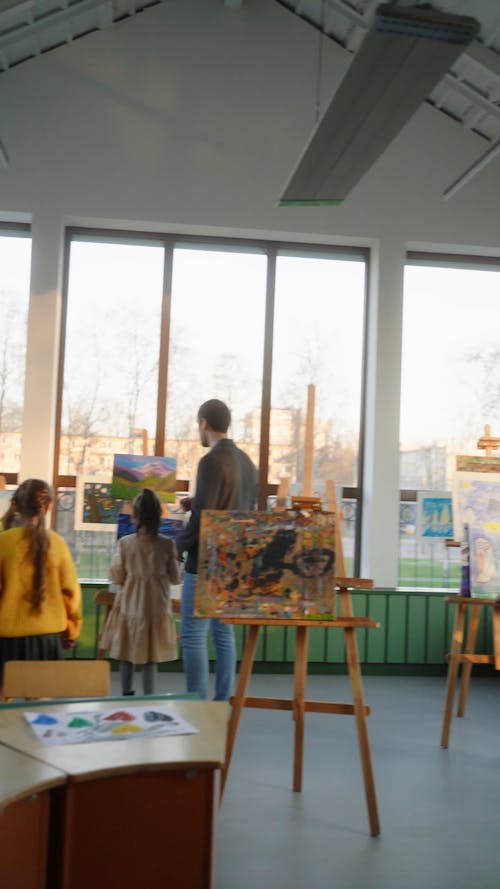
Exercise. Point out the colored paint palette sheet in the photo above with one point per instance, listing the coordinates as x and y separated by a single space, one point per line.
118 724
266 565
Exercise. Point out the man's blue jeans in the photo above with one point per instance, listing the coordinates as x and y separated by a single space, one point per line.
194 633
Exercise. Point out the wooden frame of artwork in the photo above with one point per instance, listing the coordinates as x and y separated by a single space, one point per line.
103 515
266 565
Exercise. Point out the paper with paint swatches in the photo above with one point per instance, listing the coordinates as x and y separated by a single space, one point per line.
118 724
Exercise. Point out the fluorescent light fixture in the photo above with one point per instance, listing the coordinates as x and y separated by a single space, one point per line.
471 171
4 157
404 55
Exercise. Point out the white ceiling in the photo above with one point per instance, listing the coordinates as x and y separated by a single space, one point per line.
33 27
469 92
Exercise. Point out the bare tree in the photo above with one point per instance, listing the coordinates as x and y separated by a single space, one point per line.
12 355
335 449
487 385
82 415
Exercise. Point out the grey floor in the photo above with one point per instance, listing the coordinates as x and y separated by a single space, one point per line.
439 809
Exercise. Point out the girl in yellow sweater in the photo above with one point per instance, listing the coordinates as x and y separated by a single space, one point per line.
40 597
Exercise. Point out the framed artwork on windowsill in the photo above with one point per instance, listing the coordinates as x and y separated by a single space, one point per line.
95 507
434 516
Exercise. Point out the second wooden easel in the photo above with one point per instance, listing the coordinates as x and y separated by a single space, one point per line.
299 705
347 622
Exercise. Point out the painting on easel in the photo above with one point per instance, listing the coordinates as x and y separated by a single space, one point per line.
476 499
484 549
266 565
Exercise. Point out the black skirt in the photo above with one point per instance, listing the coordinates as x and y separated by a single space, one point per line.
30 648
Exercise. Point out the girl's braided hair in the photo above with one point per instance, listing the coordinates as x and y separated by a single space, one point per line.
147 512
28 507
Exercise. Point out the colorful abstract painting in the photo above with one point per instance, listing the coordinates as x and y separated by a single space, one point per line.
95 507
132 473
476 500
266 565
484 556
434 516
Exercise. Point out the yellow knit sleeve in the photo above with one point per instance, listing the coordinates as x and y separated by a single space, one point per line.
72 593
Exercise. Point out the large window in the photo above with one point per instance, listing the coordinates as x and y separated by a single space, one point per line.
15 260
450 389
110 382
156 325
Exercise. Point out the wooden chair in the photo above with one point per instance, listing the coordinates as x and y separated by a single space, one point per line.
56 679
106 598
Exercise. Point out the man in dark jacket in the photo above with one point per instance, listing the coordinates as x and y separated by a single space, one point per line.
226 479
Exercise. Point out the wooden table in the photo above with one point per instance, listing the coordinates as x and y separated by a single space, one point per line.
25 786
466 655
142 811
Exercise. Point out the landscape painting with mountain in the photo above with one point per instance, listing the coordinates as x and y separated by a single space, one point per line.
133 472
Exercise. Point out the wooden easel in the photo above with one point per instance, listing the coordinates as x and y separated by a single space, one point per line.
347 622
488 442
299 705
467 657
464 654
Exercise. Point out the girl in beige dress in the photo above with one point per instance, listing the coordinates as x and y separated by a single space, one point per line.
140 628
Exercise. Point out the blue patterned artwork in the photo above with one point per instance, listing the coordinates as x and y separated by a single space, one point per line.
434 516
168 527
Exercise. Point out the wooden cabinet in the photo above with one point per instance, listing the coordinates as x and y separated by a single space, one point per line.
138 812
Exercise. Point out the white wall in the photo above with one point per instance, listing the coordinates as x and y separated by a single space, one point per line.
190 117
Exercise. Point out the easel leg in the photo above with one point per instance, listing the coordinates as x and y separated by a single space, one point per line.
456 648
467 667
351 646
299 694
239 698
102 651
495 617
